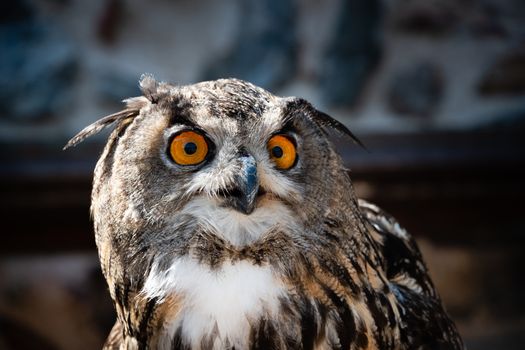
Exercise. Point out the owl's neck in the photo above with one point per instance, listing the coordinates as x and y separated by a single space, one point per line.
219 306
222 294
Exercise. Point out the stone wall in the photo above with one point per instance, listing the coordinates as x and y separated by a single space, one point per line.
379 66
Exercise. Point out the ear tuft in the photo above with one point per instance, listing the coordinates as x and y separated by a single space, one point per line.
324 120
136 102
149 87
99 125
133 107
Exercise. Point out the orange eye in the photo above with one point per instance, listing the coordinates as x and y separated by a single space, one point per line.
188 148
282 151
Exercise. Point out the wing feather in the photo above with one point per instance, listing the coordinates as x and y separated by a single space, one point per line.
424 322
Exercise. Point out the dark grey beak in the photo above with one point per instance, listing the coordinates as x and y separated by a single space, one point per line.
243 197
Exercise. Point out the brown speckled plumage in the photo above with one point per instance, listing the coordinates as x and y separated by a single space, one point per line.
341 273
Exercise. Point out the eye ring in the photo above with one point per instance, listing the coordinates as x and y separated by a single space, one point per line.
188 147
282 151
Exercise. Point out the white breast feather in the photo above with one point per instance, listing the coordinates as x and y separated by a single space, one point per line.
228 297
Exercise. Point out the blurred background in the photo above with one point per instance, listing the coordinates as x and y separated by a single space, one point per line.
434 88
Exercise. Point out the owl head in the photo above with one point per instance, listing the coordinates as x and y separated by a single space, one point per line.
222 157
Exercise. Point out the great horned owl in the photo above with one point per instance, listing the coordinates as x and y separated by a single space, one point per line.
225 219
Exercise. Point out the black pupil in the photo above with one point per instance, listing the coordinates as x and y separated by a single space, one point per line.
190 148
277 152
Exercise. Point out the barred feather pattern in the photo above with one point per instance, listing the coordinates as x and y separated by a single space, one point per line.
338 297
312 267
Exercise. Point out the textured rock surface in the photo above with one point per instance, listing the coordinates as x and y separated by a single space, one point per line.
76 60
506 76
434 17
37 66
112 86
352 54
417 90
266 46
57 302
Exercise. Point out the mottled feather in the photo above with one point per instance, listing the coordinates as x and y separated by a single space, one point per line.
311 267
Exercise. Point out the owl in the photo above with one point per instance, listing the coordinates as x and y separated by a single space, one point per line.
225 219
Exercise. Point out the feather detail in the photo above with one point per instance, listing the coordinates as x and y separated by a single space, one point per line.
324 120
134 105
115 337
312 267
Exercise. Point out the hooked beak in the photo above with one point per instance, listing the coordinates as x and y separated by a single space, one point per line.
243 197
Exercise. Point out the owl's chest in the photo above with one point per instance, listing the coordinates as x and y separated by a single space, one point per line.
216 307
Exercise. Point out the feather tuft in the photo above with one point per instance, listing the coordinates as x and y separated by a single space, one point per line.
324 120
133 107
149 86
